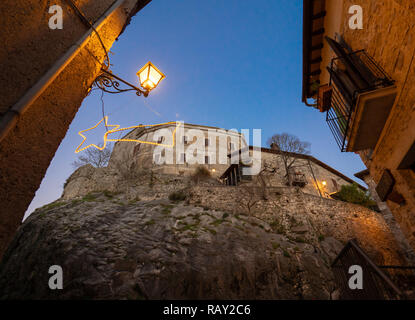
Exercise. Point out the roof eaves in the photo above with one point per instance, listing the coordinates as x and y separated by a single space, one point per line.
311 158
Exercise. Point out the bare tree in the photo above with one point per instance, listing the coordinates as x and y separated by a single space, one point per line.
248 198
267 169
288 145
93 156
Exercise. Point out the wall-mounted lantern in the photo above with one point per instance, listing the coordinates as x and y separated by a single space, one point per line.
149 77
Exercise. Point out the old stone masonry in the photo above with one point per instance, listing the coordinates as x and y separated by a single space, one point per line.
131 231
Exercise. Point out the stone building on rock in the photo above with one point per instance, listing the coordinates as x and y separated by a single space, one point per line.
215 148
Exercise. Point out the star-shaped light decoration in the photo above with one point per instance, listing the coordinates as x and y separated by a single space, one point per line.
146 142
92 144
116 129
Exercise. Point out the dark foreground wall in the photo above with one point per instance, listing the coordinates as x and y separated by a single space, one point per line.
29 49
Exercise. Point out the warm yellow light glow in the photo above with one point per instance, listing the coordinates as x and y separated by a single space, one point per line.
105 138
147 142
154 75
148 84
150 76
324 183
213 170
143 76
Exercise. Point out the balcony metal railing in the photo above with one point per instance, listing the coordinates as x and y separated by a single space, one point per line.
297 179
377 281
350 76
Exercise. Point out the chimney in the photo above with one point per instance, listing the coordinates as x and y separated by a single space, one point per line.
274 146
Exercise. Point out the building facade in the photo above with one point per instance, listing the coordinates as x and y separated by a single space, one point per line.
219 151
362 77
306 172
177 148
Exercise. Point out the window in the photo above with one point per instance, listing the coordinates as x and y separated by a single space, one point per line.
336 187
385 186
184 139
137 148
207 142
160 140
408 162
157 158
206 159
183 158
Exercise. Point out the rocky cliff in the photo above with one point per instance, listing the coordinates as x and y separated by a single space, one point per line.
169 237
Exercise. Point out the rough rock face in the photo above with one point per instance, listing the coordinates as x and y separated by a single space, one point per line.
138 244
160 250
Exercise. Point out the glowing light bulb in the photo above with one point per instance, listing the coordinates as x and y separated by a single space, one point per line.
150 76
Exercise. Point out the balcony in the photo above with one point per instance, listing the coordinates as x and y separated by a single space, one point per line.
358 100
297 179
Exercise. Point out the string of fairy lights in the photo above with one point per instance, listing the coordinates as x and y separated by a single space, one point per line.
118 129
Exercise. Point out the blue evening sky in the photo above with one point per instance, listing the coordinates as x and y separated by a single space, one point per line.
228 63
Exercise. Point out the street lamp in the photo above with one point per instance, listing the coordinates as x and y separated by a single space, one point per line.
149 77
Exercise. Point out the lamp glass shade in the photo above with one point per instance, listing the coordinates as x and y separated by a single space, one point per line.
150 76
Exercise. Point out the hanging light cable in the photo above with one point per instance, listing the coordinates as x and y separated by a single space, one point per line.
89 25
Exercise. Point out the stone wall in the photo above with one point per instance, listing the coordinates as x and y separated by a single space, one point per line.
110 248
132 161
388 36
137 183
30 49
215 242
289 210
299 215
391 222
320 181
